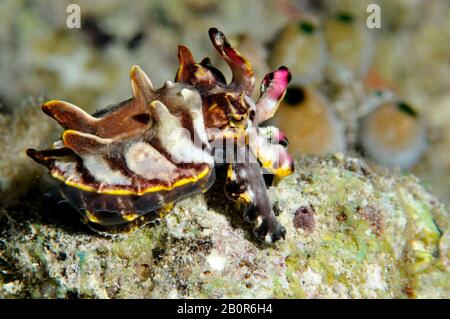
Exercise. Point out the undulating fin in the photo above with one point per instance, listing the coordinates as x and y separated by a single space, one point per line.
69 116
83 143
273 89
241 69
122 228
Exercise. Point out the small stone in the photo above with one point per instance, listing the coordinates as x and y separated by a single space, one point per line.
304 218
216 262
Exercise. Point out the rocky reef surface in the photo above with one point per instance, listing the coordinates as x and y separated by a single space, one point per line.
353 231
18 128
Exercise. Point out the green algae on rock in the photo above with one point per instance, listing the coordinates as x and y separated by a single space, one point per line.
375 235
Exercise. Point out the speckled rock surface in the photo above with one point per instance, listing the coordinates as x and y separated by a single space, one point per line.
353 231
17 129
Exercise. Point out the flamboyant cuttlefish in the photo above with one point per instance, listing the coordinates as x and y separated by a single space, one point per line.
126 165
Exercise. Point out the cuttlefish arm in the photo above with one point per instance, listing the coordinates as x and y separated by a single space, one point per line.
274 135
274 157
273 89
243 76
245 184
